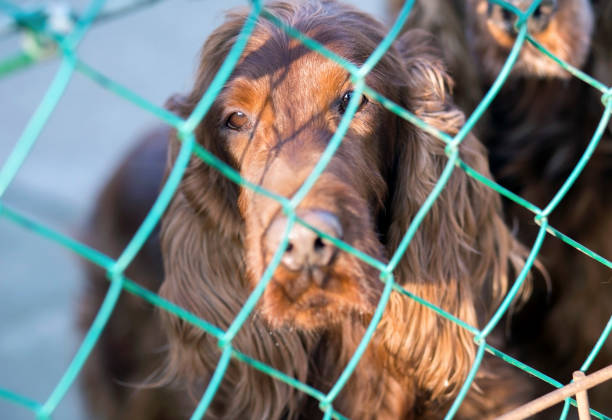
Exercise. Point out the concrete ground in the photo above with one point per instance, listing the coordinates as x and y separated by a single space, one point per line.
153 52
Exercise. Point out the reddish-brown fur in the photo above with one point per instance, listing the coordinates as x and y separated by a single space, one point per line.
536 130
535 138
568 36
212 234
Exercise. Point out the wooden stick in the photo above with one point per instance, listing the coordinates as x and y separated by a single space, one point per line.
554 397
581 398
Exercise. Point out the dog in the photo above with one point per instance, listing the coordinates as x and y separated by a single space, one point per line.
272 122
536 129
535 140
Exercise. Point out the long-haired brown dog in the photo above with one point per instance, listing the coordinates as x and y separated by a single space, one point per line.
271 122
536 130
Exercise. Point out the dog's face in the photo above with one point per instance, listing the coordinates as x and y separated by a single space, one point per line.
564 27
274 119
272 122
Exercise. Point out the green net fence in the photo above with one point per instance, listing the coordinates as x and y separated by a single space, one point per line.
50 39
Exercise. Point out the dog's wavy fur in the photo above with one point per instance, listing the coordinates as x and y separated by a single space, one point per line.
131 346
460 258
536 130
535 139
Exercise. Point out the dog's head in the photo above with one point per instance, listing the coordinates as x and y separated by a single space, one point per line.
272 123
564 27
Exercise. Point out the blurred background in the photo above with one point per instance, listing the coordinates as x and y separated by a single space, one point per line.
153 51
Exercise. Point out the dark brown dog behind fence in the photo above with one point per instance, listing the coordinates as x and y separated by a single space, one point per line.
271 122
536 130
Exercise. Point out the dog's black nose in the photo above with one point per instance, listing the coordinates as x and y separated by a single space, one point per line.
537 23
306 249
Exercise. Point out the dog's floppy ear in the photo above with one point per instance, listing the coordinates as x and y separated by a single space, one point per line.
212 195
460 255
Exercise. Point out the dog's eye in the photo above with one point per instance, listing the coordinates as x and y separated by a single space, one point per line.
344 101
237 121
546 8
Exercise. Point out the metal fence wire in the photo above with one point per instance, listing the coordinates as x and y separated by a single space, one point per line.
59 33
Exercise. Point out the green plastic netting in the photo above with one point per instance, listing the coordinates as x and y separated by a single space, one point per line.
47 40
